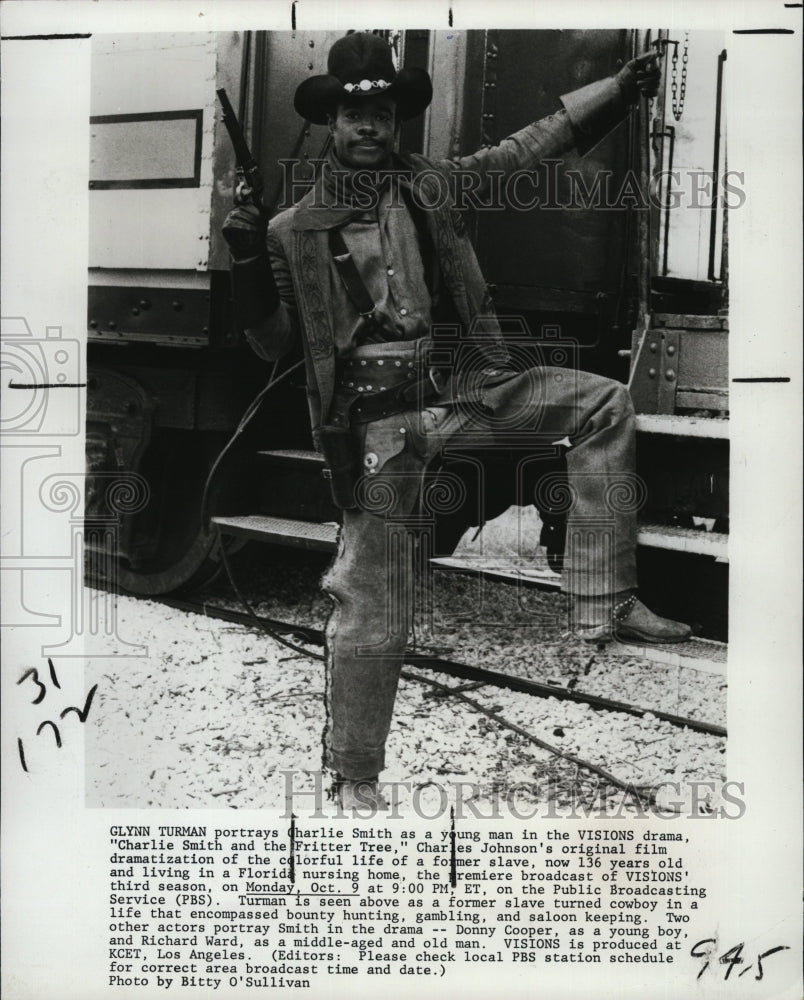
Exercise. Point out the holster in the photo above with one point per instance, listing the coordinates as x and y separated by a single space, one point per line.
341 449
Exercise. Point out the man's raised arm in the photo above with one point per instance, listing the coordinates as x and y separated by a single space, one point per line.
588 114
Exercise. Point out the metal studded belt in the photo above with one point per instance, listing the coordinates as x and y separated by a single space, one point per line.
367 375
379 380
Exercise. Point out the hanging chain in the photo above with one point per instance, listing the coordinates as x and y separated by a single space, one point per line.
679 96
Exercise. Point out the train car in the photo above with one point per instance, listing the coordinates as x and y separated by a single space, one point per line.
620 268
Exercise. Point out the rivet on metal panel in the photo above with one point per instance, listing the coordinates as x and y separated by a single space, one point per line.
135 311
671 349
145 304
112 325
93 323
176 305
653 346
651 373
669 374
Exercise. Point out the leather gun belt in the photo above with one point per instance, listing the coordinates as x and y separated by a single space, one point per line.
379 380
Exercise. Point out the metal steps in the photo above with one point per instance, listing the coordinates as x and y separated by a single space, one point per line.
281 531
696 654
323 536
689 540
497 568
292 456
676 425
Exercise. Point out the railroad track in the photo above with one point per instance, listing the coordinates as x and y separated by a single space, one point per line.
461 671
474 678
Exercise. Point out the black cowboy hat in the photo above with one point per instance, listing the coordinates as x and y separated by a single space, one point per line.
360 65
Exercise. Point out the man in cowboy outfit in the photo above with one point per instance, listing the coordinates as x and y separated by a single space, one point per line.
363 268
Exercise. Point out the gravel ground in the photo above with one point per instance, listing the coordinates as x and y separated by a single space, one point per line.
216 711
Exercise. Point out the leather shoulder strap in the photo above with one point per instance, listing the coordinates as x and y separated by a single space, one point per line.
349 274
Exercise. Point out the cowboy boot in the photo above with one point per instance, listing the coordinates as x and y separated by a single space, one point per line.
356 794
601 618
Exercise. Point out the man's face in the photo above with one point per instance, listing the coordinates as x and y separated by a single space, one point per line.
363 132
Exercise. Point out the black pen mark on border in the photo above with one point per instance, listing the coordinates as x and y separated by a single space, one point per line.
453 864
292 856
53 676
763 31
39 38
293 16
773 378
47 385
21 750
449 19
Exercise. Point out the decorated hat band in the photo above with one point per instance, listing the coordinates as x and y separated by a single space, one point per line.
367 85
